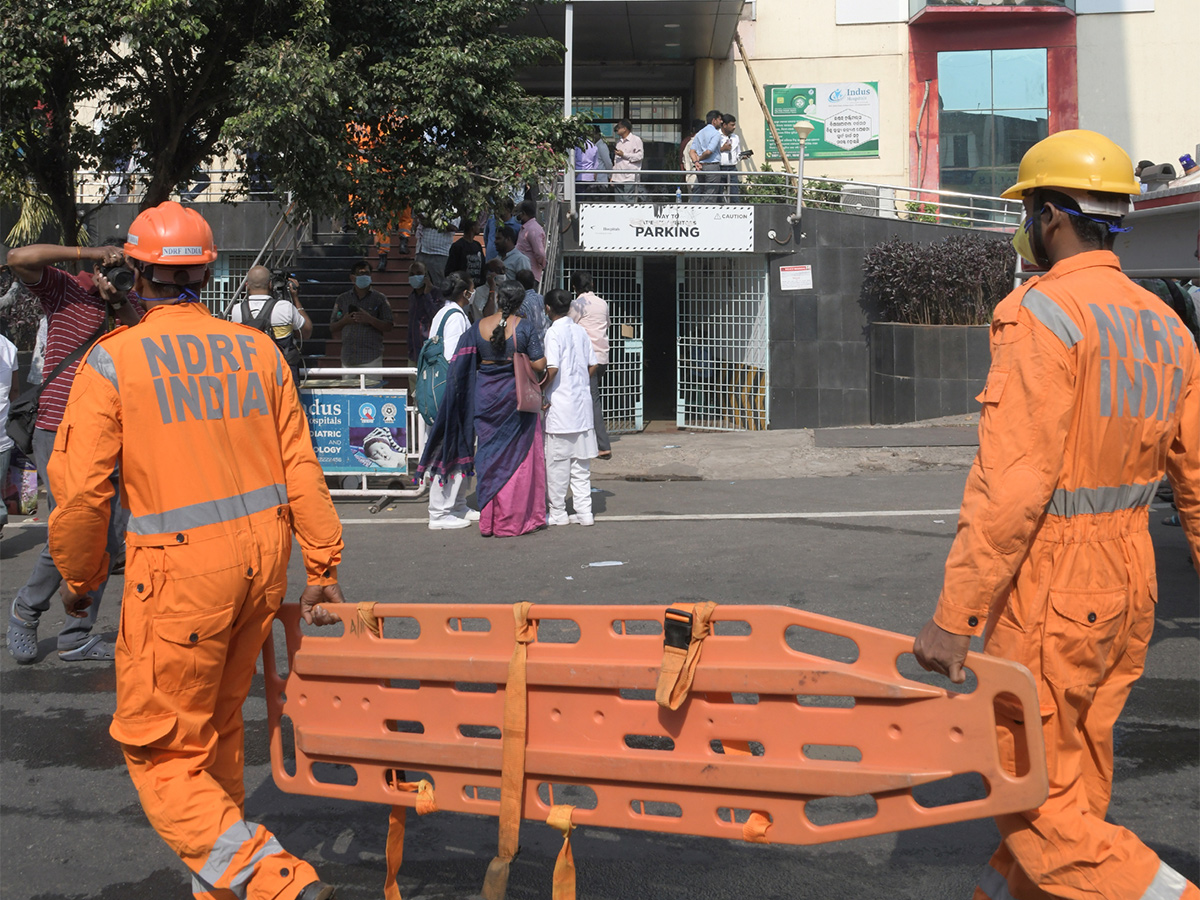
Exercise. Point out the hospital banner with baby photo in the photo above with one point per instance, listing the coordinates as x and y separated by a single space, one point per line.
358 432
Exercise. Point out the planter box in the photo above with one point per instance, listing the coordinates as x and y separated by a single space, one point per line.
926 371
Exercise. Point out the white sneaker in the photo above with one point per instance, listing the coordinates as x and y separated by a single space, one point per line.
582 520
472 515
449 523
558 520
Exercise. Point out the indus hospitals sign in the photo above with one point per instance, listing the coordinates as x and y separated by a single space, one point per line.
670 227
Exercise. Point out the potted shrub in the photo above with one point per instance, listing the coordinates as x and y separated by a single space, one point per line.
930 306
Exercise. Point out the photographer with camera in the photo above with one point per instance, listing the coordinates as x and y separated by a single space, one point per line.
77 309
272 305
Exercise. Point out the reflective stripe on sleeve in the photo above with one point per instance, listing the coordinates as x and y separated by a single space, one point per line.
1053 317
210 512
994 885
101 360
1092 501
1167 884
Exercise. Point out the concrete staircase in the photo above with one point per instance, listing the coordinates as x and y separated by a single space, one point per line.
323 269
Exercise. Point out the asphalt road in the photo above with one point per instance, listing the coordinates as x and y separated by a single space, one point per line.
71 826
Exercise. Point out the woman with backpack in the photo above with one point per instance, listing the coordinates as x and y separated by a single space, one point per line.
481 400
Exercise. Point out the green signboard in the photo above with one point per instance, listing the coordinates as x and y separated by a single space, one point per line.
844 116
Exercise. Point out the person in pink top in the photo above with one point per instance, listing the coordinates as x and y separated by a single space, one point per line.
532 239
591 311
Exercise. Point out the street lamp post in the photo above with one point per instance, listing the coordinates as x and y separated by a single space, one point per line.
803 129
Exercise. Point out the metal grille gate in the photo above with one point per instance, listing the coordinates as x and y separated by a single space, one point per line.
619 281
722 339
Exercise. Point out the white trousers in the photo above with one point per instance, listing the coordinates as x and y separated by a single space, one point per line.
447 499
578 472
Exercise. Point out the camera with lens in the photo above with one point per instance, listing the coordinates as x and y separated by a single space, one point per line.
119 276
279 284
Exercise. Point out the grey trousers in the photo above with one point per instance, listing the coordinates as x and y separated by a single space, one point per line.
35 597
5 456
709 184
602 442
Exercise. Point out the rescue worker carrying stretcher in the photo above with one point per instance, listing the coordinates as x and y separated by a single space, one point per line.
1094 390
177 400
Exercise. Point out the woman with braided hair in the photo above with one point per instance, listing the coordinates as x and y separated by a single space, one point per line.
481 401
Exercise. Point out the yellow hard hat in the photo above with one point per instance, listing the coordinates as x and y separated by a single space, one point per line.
1075 161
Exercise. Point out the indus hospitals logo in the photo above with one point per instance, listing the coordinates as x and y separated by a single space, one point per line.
850 94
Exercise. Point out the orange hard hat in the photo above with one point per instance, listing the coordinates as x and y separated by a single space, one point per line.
171 235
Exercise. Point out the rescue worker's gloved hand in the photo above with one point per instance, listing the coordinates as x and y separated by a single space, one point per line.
310 603
74 603
938 650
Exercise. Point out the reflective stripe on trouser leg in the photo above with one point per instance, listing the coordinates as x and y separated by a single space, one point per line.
1167 884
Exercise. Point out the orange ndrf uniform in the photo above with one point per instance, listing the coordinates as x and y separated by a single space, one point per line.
1094 391
218 471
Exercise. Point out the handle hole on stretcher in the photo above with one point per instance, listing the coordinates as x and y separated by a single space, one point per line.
1009 715
279 643
837 810
636 694
962 788
287 734
480 792
908 667
475 687
737 748
468 624
402 684
405 726
557 631
649 742
334 773
578 795
829 646
829 701
656 808
401 628
637 627
839 752
392 777
731 628
736 816
483 732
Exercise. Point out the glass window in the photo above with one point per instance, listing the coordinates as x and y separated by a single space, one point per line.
1018 79
992 108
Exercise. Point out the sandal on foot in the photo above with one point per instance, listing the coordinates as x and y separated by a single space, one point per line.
1172 520
22 640
93 648
604 454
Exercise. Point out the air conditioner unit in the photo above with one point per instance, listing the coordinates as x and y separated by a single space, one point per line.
862 199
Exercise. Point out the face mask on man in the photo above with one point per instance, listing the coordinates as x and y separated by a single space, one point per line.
416 281
1022 241
362 282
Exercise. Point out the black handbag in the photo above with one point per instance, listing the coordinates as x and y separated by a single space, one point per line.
23 412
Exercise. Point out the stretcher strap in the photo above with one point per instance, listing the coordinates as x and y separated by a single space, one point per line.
366 615
512 767
755 829
564 866
426 803
679 663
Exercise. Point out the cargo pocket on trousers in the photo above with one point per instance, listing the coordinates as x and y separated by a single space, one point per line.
190 649
1080 631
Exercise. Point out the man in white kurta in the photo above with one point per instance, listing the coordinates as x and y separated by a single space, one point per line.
448 498
570 436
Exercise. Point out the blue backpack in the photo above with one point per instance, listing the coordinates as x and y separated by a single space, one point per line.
433 369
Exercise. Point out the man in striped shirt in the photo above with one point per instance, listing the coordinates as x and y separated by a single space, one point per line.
76 315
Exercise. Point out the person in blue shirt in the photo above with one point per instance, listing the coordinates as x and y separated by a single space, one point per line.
707 144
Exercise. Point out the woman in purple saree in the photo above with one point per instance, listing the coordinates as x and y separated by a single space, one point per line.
481 402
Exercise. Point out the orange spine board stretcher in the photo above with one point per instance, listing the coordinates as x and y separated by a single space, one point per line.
428 697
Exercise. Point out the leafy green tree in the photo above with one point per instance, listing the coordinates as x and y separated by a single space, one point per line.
384 105
372 104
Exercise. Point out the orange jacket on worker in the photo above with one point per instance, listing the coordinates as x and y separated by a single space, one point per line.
182 479
1086 436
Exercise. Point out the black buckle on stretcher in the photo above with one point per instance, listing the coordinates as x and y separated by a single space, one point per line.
677 628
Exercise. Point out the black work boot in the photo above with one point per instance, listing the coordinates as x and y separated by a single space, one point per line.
382 267
316 890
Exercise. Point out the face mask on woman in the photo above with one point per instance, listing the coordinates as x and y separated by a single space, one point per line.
362 282
415 281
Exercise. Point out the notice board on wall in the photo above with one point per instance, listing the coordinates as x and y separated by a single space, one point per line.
844 116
